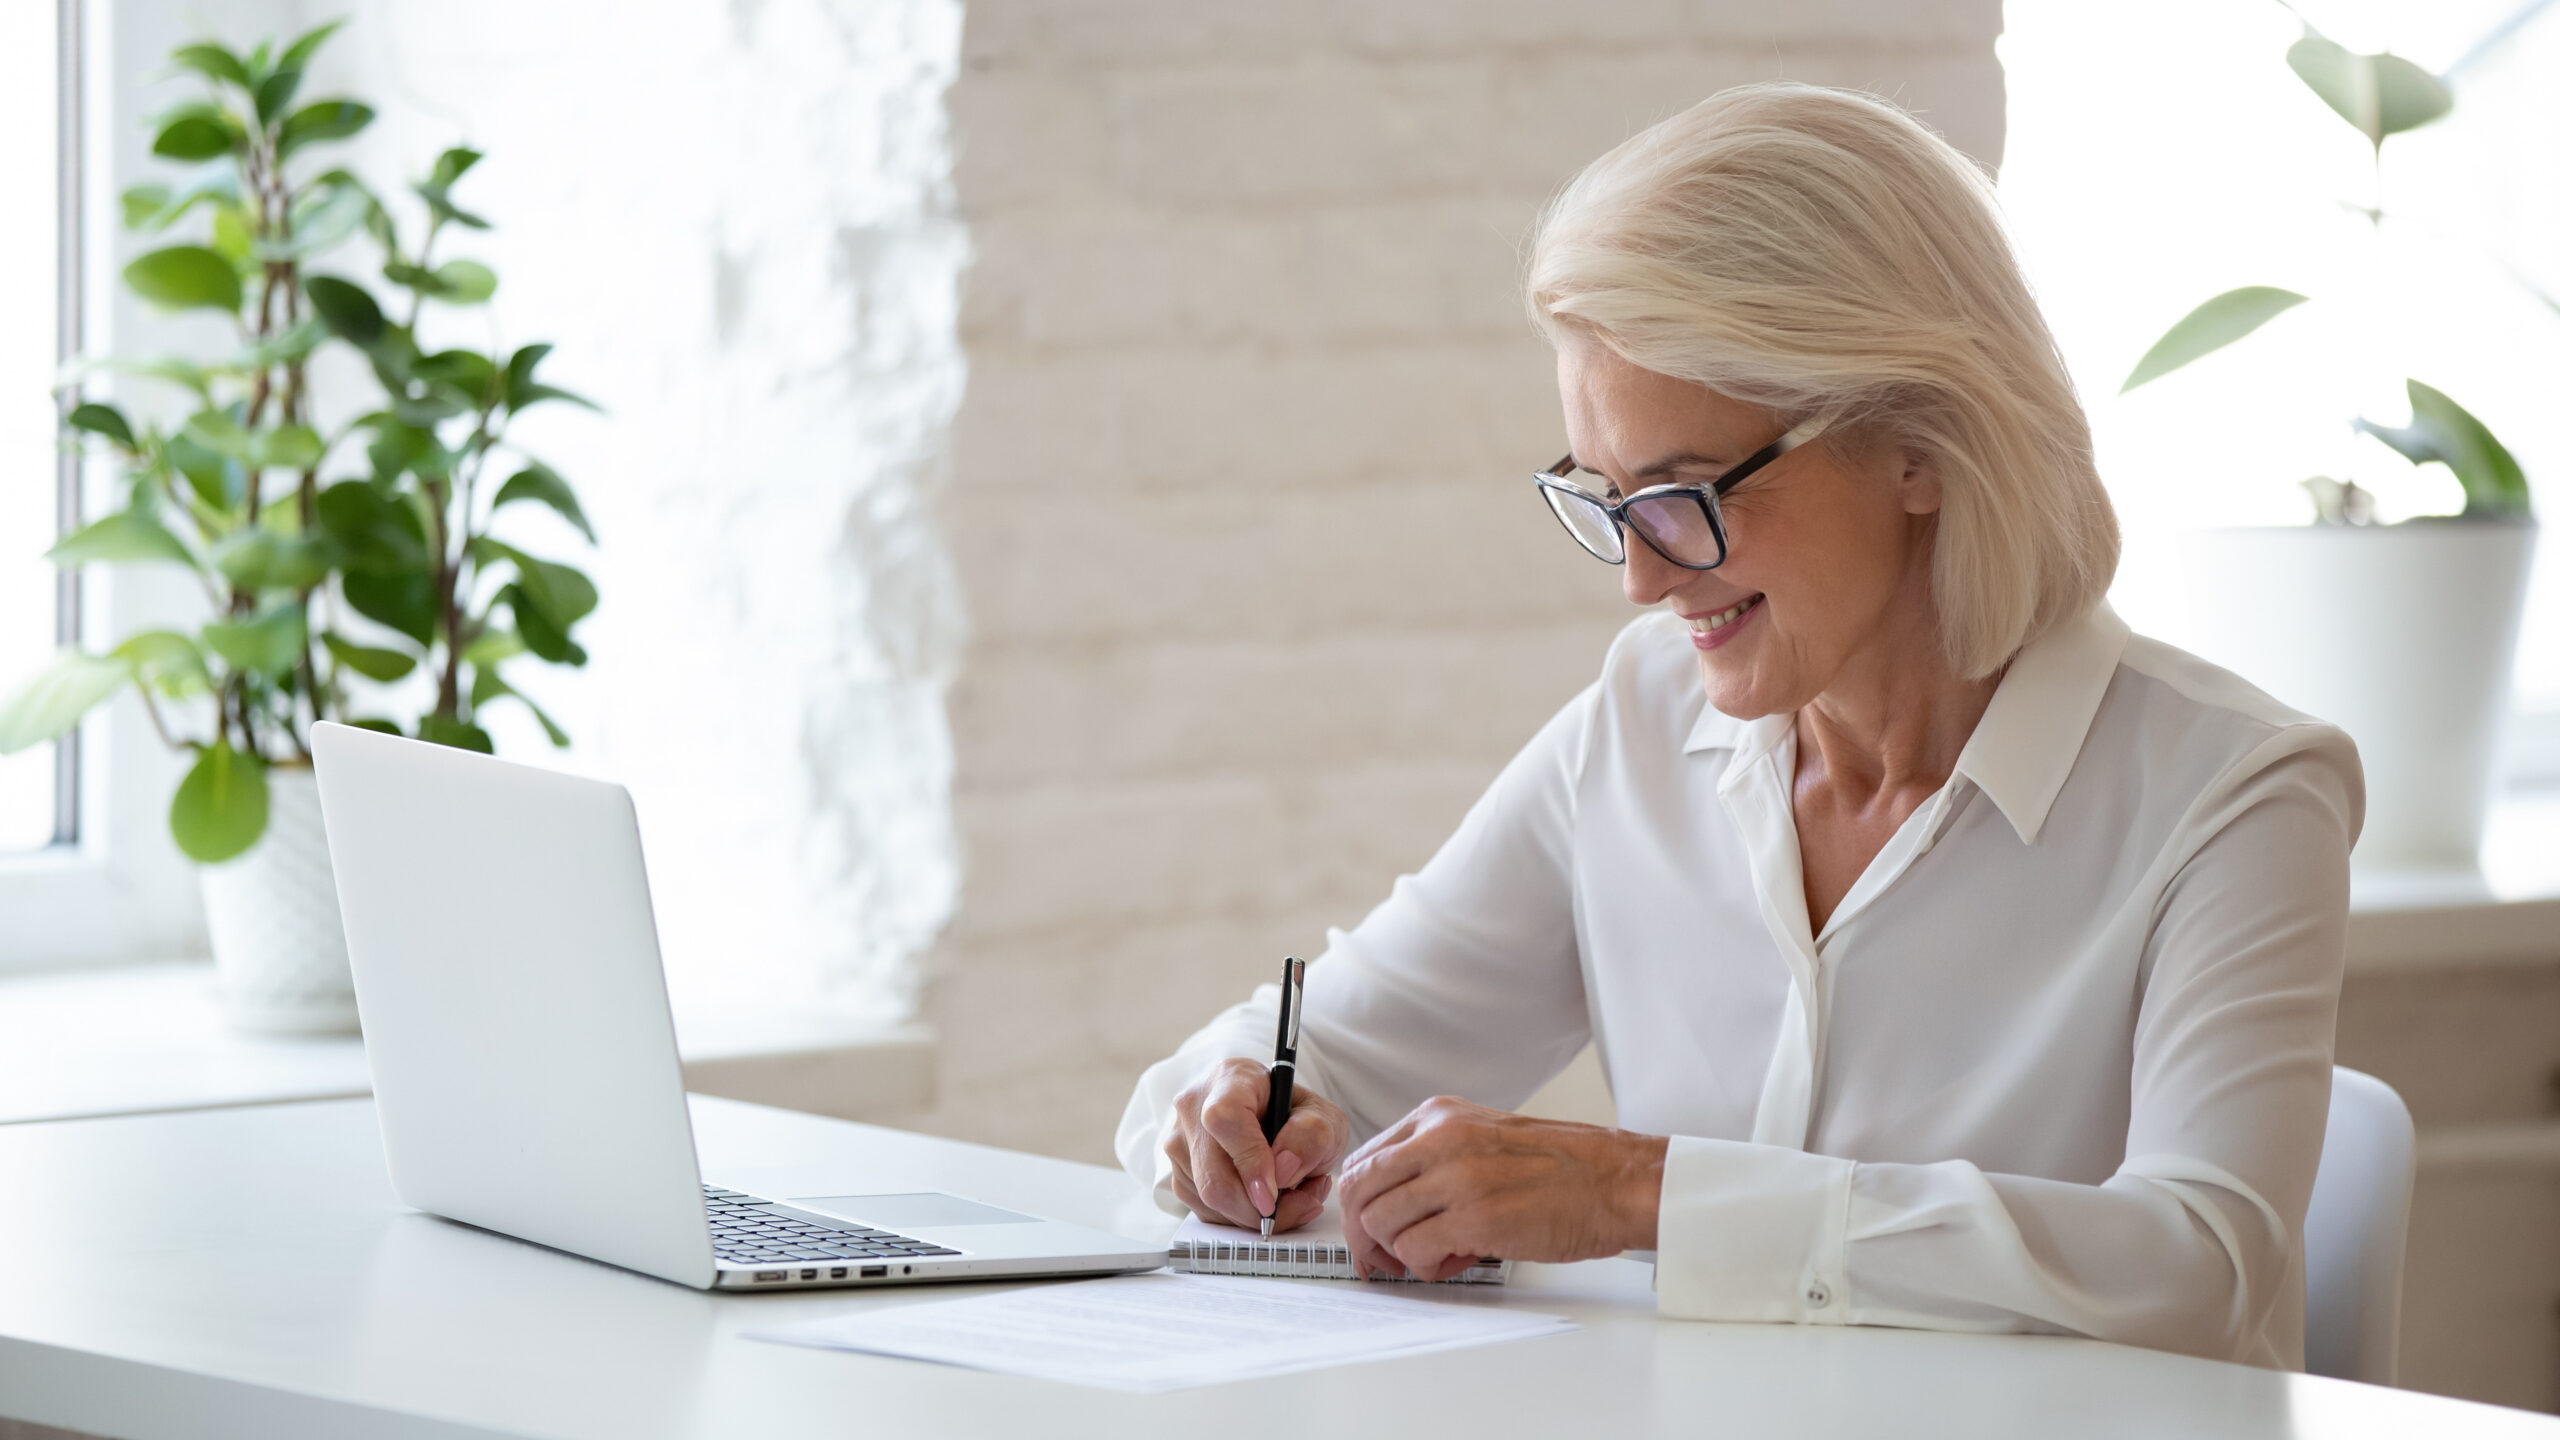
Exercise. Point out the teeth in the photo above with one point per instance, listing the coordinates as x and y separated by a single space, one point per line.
1722 618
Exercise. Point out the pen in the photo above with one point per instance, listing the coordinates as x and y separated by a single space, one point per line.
1284 1063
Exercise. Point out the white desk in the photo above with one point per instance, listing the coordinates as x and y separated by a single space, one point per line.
247 1273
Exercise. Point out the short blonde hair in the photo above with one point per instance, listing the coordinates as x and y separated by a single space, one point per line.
1823 254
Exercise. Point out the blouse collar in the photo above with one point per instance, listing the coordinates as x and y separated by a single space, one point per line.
2023 749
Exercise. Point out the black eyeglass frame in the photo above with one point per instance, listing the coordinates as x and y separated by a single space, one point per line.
1709 498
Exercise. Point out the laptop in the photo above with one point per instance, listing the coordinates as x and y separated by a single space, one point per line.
524 1058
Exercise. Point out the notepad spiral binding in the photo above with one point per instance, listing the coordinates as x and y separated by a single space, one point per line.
1301 1261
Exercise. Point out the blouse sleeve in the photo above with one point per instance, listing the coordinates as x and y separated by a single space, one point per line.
2192 1242
1466 981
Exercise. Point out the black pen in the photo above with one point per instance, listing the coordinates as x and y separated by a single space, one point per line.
1284 1063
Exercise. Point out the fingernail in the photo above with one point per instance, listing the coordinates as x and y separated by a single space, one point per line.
1261 1196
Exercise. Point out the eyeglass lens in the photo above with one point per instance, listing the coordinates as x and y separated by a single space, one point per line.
1679 527
1587 523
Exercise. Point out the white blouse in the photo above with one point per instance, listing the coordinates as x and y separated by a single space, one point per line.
2058 1062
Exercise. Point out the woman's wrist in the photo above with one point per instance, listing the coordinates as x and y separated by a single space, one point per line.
1636 1192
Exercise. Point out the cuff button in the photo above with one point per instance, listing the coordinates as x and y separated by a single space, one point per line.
1817 1295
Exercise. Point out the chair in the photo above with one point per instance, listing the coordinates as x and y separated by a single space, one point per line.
2356 1232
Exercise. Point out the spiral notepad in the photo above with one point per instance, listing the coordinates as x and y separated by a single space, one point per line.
1315 1251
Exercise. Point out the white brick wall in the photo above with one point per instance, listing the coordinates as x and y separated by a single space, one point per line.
1260 600
735 221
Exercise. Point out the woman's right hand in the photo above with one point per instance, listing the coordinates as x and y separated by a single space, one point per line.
1223 1169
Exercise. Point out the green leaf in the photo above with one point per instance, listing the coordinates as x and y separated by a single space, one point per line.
270 644
297 56
403 600
195 132
322 120
563 594
437 189
2442 432
276 92
157 207
492 646
282 349
546 640
167 662
461 735
487 686
287 447
539 483
2381 95
320 221
456 282
220 809
257 558
142 203
377 531
373 664
184 277
130 534
104 420
219 480
216 431
471 375
375 722
233 234
467 282
55 699
2210 326
212 62
346 308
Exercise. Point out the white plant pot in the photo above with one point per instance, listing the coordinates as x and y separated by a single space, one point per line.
279 949
2403 635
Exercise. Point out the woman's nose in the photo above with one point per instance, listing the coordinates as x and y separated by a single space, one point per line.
1648 576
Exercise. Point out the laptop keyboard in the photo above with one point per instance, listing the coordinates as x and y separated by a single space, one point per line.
749 1231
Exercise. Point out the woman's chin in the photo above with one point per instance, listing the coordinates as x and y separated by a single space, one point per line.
1733 690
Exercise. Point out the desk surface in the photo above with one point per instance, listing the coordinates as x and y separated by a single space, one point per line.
236 1272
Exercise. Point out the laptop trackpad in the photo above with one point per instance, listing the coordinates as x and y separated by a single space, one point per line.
910 1212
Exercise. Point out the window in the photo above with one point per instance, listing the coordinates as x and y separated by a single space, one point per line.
2162 153
38 789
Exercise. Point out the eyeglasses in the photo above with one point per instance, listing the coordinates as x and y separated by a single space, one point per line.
1683 524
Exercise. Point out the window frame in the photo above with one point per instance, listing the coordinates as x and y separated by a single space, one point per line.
112 887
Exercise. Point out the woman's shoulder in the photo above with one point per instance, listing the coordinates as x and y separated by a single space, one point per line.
2189 716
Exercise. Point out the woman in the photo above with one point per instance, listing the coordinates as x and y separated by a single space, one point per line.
1957 959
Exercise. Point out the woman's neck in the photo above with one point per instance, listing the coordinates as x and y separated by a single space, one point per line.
1893 722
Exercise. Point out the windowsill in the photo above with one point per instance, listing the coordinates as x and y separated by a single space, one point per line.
2505 912
140 1039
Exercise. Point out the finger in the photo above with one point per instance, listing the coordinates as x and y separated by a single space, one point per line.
1385 1217
1436 1248
1302 1204
1311 1143
1222 1190
1383 1164
1233 1118
1368 1257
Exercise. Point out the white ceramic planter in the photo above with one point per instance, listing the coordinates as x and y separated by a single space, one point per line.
2403 635
279 950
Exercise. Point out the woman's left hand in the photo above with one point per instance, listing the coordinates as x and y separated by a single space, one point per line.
1453 1180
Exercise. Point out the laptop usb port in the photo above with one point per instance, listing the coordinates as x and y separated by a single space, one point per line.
874 1272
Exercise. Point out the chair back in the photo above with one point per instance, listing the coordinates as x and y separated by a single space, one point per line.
2356 1233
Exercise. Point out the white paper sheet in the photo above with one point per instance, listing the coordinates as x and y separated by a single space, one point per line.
1167 1332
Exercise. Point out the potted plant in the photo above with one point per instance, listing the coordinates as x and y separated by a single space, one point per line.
343 543
2402 634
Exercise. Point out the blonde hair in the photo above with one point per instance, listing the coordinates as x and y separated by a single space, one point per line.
1822 254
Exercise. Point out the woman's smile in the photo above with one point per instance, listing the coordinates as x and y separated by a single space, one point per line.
1711 629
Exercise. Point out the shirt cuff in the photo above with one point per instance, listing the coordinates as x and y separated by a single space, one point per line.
1753 1232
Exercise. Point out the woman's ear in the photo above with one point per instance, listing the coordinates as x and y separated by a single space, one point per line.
1921 492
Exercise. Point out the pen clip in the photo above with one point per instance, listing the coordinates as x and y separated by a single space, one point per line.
1293 992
